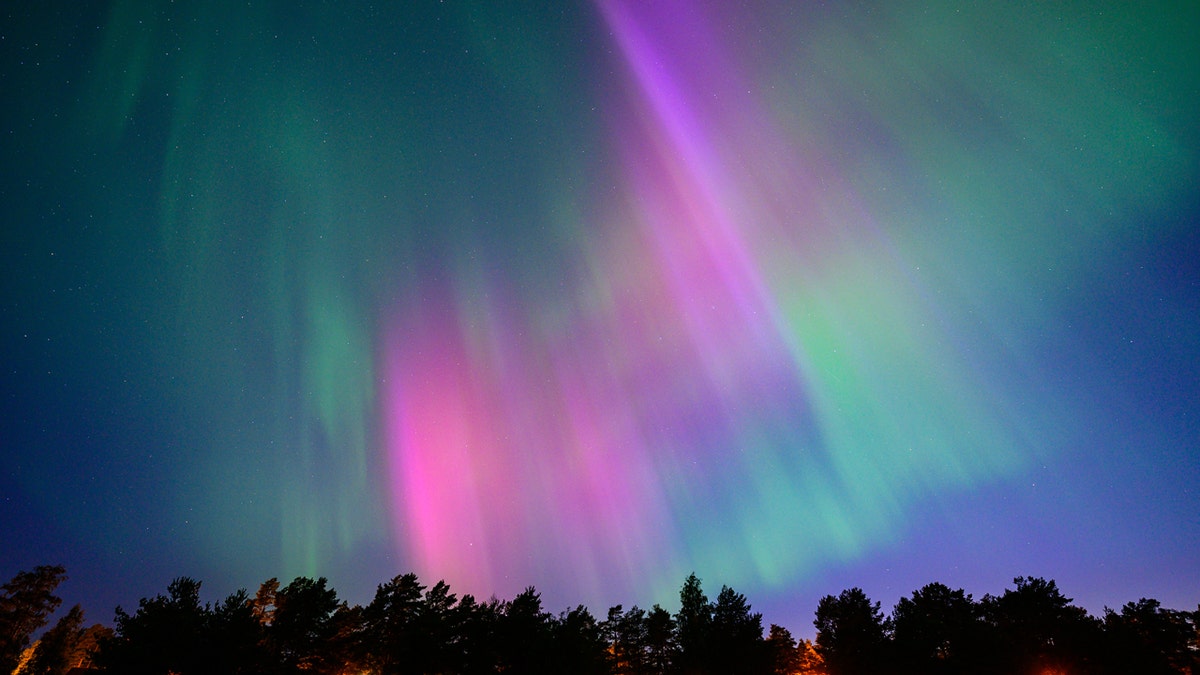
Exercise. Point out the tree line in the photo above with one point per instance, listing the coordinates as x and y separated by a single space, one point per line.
409 627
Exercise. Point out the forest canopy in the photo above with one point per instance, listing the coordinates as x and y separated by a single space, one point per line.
412 627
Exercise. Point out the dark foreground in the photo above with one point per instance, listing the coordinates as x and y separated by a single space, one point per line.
413 628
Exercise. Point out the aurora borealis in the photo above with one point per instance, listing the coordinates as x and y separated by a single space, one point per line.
591 295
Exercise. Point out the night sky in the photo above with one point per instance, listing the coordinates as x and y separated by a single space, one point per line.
590 295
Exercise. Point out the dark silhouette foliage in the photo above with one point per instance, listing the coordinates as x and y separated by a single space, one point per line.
524 634
939 630
58 649
1146 638
662 645
235 636
782 652
578 644
391 625
26 603
641 642
167 633
302 628
411 628
737 644
852 634
176 633
693 624
1037 627
628 633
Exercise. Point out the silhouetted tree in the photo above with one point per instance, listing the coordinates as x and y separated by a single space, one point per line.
641 642
524 635
662 648
166 634
1146 638
409 628
781 648
736 644
1037 627
390 626
693 625
627 633
346 647
58 650
939 631
404 631
441 622
851 634
26 602
578 644
235 636
479 634
302 628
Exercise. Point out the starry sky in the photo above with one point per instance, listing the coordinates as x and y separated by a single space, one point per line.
591 295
